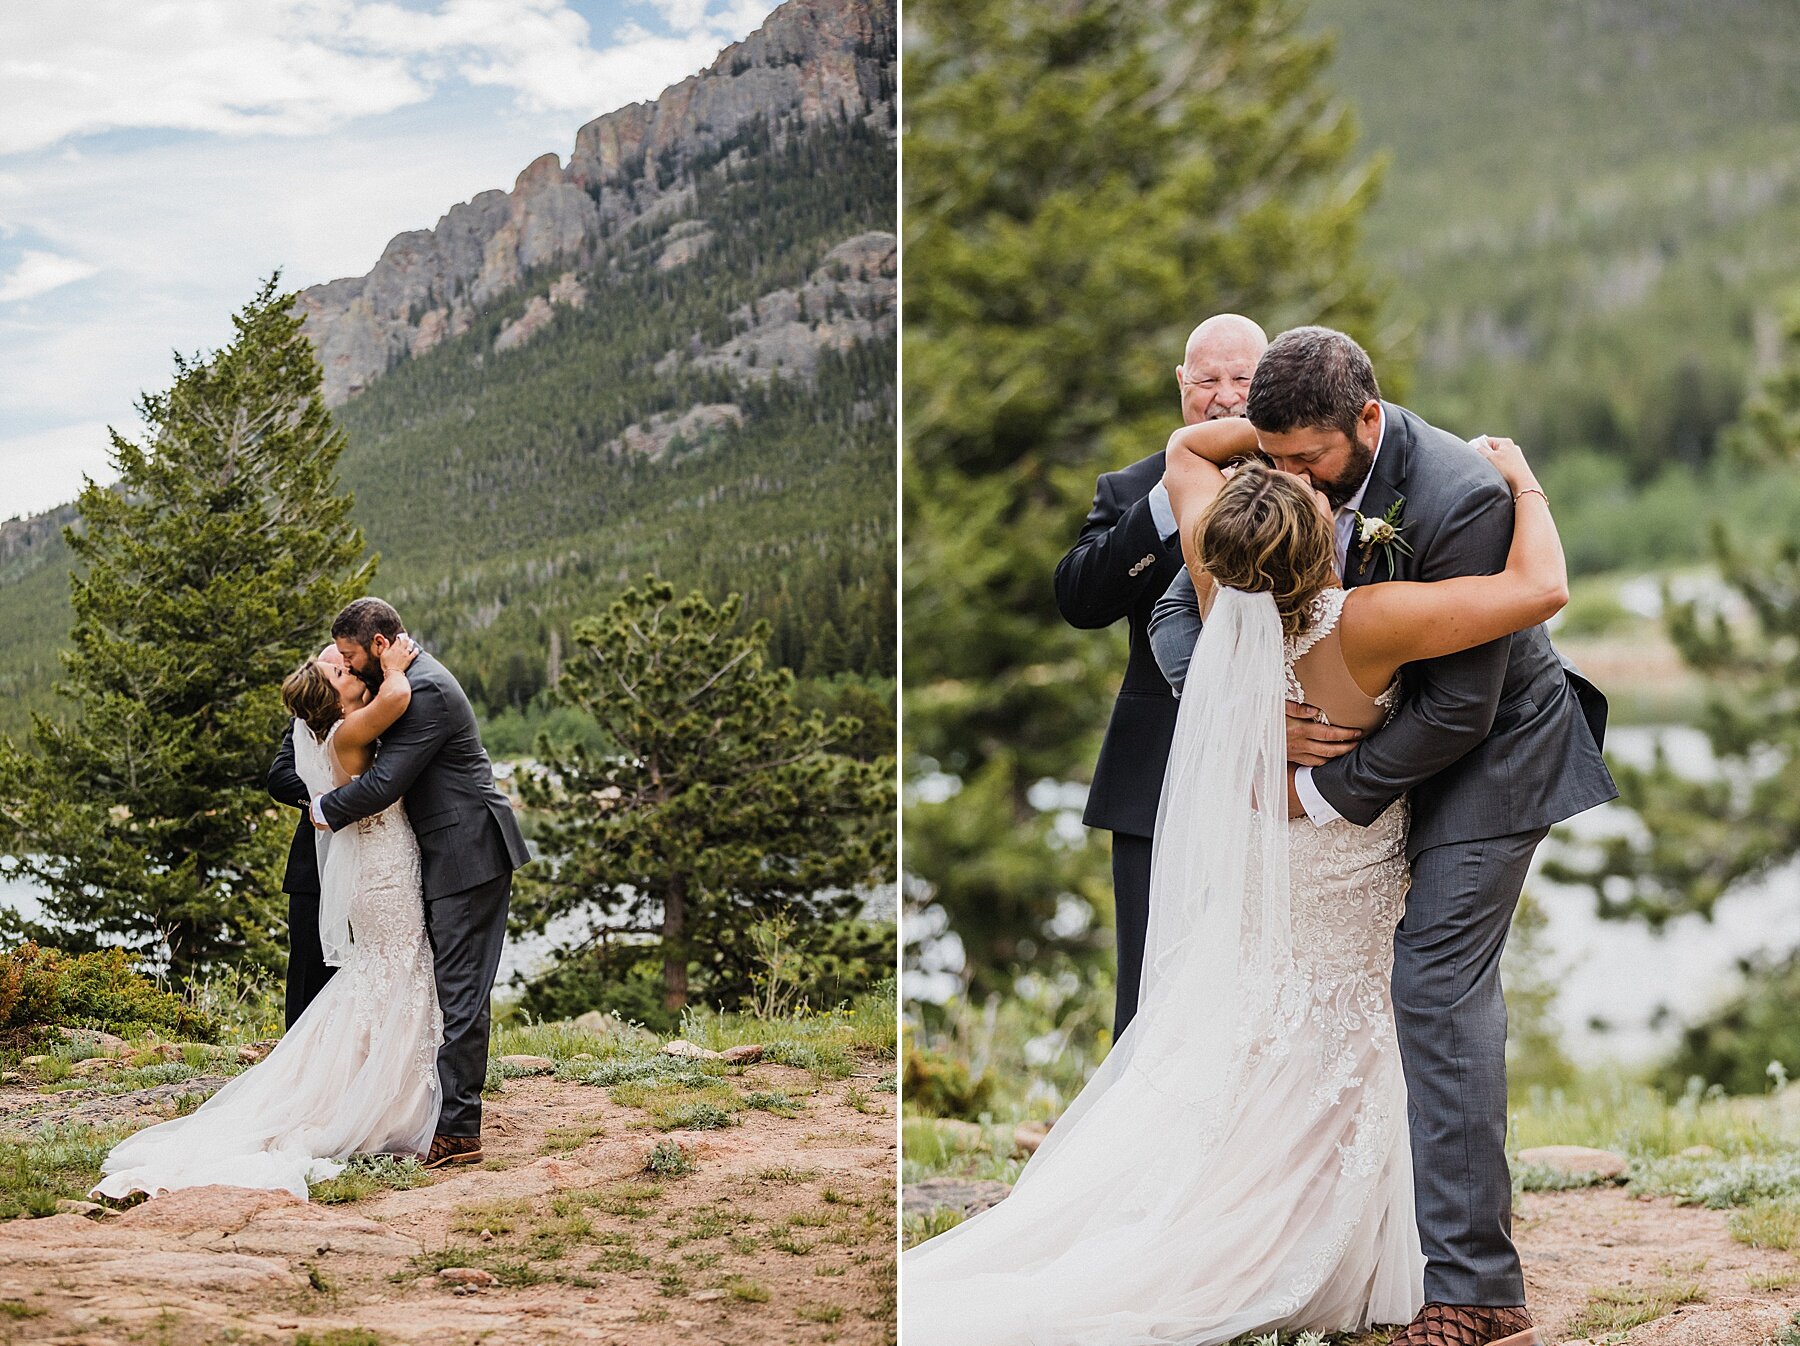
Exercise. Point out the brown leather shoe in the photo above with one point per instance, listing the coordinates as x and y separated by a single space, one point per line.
1466 1325
447 1150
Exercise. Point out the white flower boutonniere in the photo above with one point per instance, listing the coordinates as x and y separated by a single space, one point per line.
1384 533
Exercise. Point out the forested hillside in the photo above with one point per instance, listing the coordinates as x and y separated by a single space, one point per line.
675 356
1591 211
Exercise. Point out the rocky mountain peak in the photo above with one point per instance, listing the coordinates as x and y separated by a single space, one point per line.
812 60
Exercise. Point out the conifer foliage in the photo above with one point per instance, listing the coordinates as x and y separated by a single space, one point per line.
721 803
207 573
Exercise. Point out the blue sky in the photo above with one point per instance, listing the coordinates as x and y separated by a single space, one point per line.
157 161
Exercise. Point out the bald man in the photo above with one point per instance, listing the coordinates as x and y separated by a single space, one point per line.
307 971
1127 554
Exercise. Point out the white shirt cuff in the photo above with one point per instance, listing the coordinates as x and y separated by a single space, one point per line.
1314 803
1163 512
318 813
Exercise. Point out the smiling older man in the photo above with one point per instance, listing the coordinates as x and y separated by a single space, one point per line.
1127 554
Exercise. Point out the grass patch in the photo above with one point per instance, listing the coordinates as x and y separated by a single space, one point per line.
1621 1308
562 1041
17 1309
562 1139
368 1174
680 1107
668 1159
493 1217
508 1270
746 1290
340 1336
1768 1224
630 1200
1774 1280
917 1228
772 1100
61 1163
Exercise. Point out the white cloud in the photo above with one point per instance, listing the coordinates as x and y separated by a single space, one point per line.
176 231
43 470
39 273
308 67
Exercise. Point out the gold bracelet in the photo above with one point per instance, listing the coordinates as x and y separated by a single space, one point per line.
1531 490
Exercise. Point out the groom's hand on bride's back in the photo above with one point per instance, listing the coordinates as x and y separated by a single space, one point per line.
1311 743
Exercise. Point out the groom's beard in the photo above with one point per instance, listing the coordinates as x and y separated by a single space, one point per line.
1340 489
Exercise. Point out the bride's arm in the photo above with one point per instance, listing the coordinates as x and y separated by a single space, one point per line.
1192 463
1192 476
1403 622
365 724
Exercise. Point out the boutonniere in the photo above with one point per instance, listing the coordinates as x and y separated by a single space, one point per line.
1384 533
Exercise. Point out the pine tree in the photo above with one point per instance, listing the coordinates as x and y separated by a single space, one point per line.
1702 838
1084 184
722 804
207 573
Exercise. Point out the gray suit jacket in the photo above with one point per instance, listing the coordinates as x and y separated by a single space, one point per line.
433 756
1500 739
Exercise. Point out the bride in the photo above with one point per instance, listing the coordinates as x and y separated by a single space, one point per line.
357 1073
1240 1161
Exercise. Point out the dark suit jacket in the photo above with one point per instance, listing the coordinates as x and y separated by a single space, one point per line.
1501 739
286 787
1119 567
433 756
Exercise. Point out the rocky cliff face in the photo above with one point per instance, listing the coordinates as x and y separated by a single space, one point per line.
811 60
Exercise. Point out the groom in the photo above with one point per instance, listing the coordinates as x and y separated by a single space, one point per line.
1495 745
469 846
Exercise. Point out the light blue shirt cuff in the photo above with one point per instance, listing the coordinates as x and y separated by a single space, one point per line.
1316 808
1163 512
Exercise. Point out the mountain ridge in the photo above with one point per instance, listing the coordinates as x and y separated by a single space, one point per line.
812 60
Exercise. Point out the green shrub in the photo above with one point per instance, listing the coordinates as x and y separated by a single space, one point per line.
940 1086
47 988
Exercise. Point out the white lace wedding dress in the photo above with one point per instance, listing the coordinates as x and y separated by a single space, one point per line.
1240 1162
357 1073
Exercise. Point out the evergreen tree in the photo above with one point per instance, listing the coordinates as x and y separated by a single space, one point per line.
1084 184
1702 838
722 803
207 573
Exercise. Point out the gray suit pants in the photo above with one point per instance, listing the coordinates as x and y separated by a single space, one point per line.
467 931
1452 1028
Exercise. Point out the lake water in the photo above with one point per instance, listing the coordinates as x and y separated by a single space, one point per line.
1613 977
527 955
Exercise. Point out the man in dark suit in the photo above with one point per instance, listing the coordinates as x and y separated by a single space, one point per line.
469 846
307 971
1493 745
1126 555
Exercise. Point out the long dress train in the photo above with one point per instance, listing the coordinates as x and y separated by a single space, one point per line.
357 1073
1240 1162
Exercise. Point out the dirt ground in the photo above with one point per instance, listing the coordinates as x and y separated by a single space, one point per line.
784 1233
1598 1239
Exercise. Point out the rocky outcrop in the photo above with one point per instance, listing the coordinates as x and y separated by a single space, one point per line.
811 60
653 438
850 297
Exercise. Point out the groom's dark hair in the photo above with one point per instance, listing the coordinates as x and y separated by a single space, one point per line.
365 619
1311 377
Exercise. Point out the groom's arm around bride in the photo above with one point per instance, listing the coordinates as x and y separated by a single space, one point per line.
469 845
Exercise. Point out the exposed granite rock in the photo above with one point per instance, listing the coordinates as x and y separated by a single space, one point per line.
850 297
811 60
652 439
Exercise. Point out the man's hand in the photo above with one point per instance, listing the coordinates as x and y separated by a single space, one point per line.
1310 743
314 815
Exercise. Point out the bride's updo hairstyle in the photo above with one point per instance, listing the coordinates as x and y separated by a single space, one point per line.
311 698
1263 533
